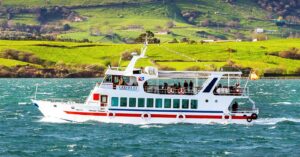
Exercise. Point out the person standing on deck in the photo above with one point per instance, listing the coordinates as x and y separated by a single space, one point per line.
191 86
185 85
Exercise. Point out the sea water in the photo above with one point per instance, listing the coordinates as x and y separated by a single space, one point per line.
24 132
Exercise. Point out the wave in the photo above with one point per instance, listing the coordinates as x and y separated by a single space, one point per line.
24 103
151 126
285 103
53 120
273 121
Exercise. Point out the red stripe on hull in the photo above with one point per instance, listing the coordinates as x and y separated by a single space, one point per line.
204 116
155 115
87 113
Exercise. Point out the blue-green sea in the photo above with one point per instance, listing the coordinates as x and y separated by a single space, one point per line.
24 132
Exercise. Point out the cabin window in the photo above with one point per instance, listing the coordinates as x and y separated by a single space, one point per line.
158 103
185 103
104 98
150 102
115 79
194 104
141 102
167 103
108 79
115 101
123 102
132 102
176 103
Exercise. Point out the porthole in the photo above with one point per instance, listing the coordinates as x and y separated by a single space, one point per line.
216 101
73 107
54 105
206 100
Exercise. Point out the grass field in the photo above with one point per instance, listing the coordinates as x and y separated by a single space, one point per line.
178 56
119 14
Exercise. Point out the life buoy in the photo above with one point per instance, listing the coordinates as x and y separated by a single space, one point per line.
181 91
146 116
111 115
254 116
181 117
170 90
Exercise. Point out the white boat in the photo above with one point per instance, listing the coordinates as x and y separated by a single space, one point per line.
148 96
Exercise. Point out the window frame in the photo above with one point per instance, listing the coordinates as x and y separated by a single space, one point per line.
174 104
129 104
147 100
117 98
138 103
125 101
194 100
169 104
188 103
161 103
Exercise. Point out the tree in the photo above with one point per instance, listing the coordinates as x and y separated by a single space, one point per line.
150 38
67 27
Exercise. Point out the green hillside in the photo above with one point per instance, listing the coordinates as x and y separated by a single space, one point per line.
121 21
258 56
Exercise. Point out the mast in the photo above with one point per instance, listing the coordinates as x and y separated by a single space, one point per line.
135 58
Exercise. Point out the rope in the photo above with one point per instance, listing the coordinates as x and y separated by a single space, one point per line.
179 53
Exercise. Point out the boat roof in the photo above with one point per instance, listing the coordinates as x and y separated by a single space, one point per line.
153 72
195 74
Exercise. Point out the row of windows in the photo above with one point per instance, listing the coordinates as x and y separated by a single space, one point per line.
159 103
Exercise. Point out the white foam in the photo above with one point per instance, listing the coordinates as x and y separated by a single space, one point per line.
273 121
281 103
23 103
151 126
53 120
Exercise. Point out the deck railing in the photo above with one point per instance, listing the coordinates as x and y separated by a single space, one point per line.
232 91
245 110
171 90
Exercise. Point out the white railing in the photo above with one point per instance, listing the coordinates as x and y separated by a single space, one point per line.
106 85
128 88
64 100
232 91
246 110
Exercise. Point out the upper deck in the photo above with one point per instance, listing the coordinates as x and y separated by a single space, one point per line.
150 80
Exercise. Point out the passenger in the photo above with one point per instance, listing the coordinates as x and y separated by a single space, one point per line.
135 84
178 87
121 82
142 69
235 106
220 85
165 87
185 85
191 85
146 86
175 88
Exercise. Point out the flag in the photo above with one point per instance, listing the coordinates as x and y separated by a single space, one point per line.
141 78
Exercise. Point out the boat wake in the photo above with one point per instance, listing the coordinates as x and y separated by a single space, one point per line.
274 121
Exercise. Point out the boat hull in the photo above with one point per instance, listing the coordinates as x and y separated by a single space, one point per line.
72 112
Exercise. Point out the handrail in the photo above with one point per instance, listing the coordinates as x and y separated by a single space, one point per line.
68 100
246 110
238 91
176 91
